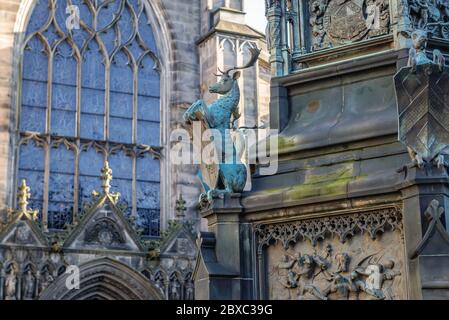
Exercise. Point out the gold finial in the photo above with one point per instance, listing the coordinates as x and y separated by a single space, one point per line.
23 197
106 177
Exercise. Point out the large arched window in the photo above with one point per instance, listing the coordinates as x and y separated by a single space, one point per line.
90 92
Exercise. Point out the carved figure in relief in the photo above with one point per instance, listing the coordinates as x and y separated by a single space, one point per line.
46 280
11 284
308 264
320 276
317 10
159 281
342 262
290 279
384 12
30 285
434 13
419 9
376 275
340 286
175 290
437 19
444 7
417 53
377 17
372 17
190 288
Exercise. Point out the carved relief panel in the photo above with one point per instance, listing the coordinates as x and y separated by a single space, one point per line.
337 22
351 257
432 15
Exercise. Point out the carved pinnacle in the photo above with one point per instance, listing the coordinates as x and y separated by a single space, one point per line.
181 206
23 197
106 177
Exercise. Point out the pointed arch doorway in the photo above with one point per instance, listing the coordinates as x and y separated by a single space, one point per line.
104 279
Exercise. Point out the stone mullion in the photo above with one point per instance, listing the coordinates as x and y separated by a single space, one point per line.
77 141
134 186
78 97
284 36
77 151
135 96
49 91
47 147
107 92
16 151
48 140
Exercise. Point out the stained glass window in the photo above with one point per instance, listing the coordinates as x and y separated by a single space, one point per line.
90 92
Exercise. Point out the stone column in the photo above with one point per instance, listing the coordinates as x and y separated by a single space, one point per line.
227 275
419 188
274 36
278 106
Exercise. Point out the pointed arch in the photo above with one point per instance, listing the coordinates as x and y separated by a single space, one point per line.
106 278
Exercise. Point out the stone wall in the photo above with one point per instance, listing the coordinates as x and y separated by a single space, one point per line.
8 13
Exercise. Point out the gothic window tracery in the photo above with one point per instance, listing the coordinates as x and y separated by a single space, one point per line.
90 92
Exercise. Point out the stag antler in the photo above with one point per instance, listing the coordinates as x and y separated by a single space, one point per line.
255 52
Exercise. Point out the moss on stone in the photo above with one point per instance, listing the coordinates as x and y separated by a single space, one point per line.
329 184
325 188
285 143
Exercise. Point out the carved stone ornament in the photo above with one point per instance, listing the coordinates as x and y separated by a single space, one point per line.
353 256
423 103
104 232
22 211
433 214
25 273
431 15
11 284
273 30
338 22
335 275
344 227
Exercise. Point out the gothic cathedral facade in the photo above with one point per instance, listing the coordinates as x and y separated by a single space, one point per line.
91 91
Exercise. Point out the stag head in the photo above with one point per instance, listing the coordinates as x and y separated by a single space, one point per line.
227 81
